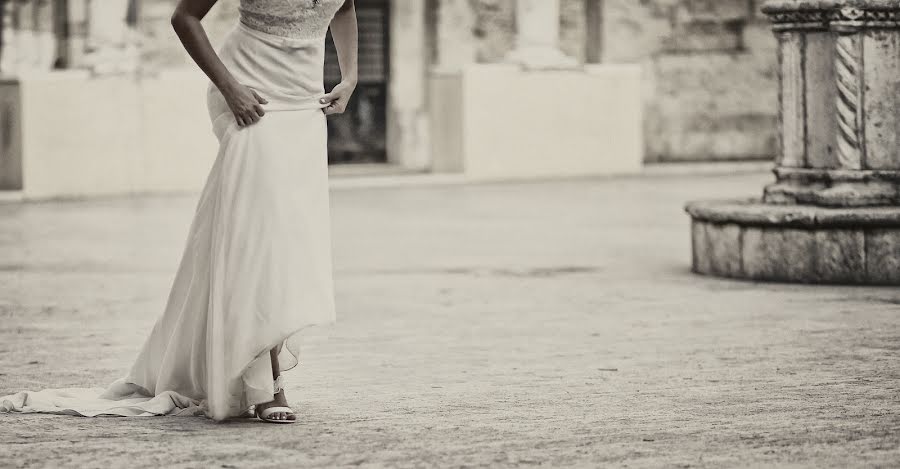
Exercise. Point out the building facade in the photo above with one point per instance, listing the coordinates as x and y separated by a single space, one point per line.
708 66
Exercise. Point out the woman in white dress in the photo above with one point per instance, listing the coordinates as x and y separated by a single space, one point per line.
256 268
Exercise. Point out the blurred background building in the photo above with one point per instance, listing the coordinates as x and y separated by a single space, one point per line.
635 82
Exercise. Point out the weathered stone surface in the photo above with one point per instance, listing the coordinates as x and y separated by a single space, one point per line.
494 29
701 260
838 121
801 5
840 256
797 244
792 134
820 101
753 212
779 254
573 29
633 31
849 116
883 255
705 36
882 99
10 137
857 194
711 75
702 108
719 250
451 25
714 10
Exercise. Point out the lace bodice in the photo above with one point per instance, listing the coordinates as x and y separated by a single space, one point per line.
302 19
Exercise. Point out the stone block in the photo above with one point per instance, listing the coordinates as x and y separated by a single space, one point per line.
10 137
454 44
132 142
702 261
796 243
779 254
756 10
528 132
721 249
759 41
494 29
840 256
712 91
633 31
712 107
713 10
883 256
573 28
709 36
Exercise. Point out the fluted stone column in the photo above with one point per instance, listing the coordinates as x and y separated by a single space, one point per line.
110 46
833 213
72 27
6 37
537 36
33 36
28 40
839 62
455 42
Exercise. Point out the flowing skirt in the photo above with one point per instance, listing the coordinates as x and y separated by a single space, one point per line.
256 269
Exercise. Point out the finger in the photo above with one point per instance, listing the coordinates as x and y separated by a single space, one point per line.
259 110
252 117
239 119
259 98
329 97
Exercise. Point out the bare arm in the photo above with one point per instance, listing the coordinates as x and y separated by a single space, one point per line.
345 34
243 101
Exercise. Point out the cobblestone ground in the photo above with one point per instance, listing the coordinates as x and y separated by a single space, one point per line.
551 323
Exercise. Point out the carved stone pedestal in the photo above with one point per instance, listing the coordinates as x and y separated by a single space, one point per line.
833 213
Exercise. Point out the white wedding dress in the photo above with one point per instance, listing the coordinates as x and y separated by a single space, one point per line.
257 267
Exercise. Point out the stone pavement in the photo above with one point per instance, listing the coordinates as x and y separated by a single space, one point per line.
548 323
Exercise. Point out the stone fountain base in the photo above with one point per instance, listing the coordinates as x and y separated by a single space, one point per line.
796 243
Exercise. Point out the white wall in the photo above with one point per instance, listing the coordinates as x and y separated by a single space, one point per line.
502 122
83 136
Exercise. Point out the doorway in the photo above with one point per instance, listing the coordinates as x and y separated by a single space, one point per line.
359 135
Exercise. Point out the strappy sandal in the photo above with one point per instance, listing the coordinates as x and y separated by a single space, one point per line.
268 411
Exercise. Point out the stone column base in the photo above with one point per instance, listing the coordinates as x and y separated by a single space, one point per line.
796 243
834 187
